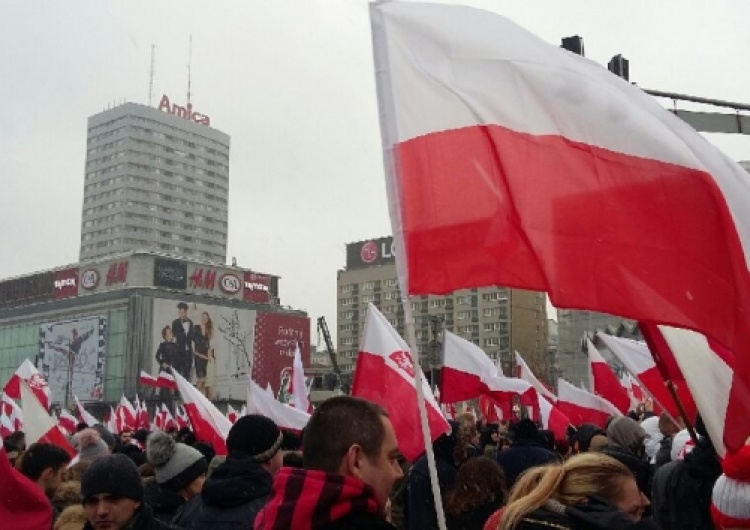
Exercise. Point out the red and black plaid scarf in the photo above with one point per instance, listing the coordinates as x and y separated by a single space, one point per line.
307 500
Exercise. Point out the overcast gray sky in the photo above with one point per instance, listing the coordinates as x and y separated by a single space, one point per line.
292 82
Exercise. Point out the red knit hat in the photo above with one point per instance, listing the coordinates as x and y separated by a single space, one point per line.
730 504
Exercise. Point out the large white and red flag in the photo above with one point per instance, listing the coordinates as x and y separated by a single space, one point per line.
604 382
126 415
525 373
85 416
297 386
23 504
38 424
143 420
385 375
111 421
181 417
163 380
209 424
468 373
285 416
28 372
709 371
636 358
583 407
509 158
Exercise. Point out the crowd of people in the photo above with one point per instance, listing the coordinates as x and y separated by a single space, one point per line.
344 471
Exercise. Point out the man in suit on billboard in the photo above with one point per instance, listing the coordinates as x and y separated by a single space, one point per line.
182 329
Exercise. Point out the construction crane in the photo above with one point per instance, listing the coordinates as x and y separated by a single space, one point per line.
323 329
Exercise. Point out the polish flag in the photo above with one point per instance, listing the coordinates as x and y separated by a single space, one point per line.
525 373
111 423
604 382
385 375
143 420
243 411
126 415
6 426
28 372
499 144
285 416
209 424
38 424
297 387
638 392
232 414
23 504
636 358
67 422
583 407
709 372
86 418
553 418
181 417
10 410
164 380
448 409
489 410
468 373
627 385
167 420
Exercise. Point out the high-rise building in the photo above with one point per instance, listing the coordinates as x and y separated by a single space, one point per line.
156 179
497 319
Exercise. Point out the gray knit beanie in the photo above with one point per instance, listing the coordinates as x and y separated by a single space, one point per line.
176 465
90 445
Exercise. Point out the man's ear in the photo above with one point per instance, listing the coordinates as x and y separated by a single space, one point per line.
352 463
47 474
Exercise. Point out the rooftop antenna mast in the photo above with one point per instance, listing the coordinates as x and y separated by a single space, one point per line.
190 60
151 75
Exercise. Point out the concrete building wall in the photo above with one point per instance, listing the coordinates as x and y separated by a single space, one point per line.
154 181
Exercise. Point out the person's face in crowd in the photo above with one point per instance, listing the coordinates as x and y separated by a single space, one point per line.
182 313
495 437
632 501
109 512
204 318
383 471
126 436
51 480
168 335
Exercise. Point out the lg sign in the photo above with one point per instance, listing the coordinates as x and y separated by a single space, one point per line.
375 252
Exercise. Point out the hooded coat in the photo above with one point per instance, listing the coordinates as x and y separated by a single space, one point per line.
231 497
626 444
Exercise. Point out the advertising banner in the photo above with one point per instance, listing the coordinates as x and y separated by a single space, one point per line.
66 283
170 274
210 345
71 358
370 253
256 288
276 336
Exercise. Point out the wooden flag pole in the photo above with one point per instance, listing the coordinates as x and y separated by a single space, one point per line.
681 408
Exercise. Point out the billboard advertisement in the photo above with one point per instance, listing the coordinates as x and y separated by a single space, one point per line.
170 274
210 345
276 336
370 253
66 283
71 356
256 287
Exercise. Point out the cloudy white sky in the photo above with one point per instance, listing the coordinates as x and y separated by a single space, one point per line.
292 82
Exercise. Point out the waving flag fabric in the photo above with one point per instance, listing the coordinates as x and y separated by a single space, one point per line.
583 407
209 424
38 424
27 372
468 373
85 416
286 417
604 382
23 504
509 158
525 373
636 358
385 375
297 387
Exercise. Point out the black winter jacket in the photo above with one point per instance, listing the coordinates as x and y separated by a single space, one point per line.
523 455
231 497
640 467
163 502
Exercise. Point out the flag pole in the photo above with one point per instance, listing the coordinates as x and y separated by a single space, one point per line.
418 378
681 408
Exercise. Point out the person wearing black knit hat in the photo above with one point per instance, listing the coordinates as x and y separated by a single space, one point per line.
240 487
112 495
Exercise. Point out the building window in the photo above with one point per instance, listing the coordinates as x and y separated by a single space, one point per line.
391 282
437 303
368 286
347 315
463 315
492 341
347 288
348 301
495 297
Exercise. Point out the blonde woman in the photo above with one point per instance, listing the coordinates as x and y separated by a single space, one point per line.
590 491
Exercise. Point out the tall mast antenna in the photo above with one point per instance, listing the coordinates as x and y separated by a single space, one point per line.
151 75
190 60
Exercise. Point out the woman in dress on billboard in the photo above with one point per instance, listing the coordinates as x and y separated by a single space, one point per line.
204 353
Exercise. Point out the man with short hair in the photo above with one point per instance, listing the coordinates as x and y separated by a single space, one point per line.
112 495
524 453
238 488
182 330
351 463
45 464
